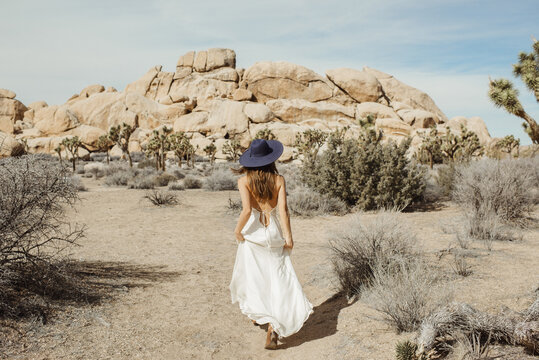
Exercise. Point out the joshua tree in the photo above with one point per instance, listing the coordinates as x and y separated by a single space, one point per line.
181 145
504 94
470 145
265 133
160 141
431 147
232 149
368 121
58 150
120 136
72 145
507 144
211 150
309 142
104 143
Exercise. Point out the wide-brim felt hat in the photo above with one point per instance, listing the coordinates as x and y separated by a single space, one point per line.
261 152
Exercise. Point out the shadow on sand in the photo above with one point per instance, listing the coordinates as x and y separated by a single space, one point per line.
321 323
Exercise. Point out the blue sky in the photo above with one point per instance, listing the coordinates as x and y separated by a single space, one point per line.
52 49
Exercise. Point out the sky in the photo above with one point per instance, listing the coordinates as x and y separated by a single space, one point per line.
50 50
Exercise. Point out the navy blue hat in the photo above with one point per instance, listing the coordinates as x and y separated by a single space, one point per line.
261 152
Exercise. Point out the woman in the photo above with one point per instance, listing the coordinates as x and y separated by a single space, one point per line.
263 280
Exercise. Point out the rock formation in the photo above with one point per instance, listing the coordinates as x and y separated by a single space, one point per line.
211 100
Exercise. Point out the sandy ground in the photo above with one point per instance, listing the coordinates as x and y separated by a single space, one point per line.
180 307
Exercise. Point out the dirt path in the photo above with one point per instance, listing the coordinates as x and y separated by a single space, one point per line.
183 310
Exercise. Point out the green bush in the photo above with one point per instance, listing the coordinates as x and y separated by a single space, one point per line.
365 172
163 179
307 202
192 182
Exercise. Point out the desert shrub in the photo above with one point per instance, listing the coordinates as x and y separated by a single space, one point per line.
405 292
490 188
34 230
138 156
142 182
163 179
358 249
94 169
192 182
291 174
116 167
118 178
307 202
144 163
233 206
365 172
80 170
176 171
445 178
176 185
77 183
161 198
221 178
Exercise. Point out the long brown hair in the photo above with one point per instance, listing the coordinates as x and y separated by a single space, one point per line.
261 180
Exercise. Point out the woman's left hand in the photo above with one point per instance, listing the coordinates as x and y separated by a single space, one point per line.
239 237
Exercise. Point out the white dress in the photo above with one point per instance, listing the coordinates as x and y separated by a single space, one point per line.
264 281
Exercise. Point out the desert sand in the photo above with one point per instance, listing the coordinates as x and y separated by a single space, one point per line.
178 306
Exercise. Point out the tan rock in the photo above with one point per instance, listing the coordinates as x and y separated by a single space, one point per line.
475 124
200 86
418 118
41 145
222 74
29 114
73 97
201 142
186 59
378 110
30 133
116 151
90 90
283 80
199 63
36 105
195 121
218 57
9 146
8 94
142 85
111 89
393 127
182 71
56 119
295 110
160 85
11 110
288 154
258 113
360 85
21 125
285 133
398 106
227 117
242 95
396 90
87 134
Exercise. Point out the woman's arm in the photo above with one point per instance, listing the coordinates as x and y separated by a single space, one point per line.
285 215
246 208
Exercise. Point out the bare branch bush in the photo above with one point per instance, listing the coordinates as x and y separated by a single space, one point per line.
34 230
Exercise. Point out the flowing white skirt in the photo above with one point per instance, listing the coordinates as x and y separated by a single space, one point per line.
266 286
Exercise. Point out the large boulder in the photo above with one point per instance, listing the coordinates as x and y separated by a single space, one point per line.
9 146
142 85
376 109
393 127
295 110
285 133
87 134
420 119
360 85
195 121
283 80
258 113
7 94
90 90
219 83
160 85
218 58
475 124
11 110
56 119
396 90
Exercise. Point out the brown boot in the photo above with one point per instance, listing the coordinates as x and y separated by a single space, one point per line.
271 339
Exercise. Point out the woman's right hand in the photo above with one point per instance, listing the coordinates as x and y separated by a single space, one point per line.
289 244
